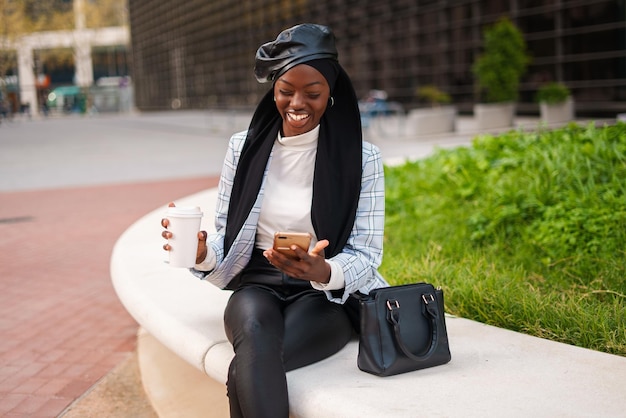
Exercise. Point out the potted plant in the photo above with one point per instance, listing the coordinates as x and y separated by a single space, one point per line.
555 103
498 71
439 117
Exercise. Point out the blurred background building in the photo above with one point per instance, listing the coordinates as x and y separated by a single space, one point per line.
77 55
64 55
198 54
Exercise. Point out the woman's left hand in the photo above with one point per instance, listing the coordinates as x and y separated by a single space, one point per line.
311 266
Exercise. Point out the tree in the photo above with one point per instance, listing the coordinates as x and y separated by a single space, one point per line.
20 17
10 26
104 13
46 15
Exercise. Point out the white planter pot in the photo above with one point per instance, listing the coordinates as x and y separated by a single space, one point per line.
430 121
557 113
494 115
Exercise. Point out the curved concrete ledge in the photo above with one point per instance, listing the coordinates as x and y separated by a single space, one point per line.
174 387
493 372
179 310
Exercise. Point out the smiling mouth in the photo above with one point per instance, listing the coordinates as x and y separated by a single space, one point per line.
297 117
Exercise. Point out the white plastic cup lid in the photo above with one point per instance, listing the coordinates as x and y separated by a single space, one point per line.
184 211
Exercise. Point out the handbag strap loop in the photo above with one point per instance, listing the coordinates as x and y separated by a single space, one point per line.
393 302
431 306
394 318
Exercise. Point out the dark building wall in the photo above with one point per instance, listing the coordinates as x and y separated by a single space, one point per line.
199 54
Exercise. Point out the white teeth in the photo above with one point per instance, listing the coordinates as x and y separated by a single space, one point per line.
297 117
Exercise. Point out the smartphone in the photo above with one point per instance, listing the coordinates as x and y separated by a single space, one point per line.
284 240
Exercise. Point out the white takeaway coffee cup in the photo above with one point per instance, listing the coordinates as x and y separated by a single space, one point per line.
184 226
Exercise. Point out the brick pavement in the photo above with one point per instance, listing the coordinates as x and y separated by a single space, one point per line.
62 327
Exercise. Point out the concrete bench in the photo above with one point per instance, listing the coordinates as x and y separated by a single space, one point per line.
493 372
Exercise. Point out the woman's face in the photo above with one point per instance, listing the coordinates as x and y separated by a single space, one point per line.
301 95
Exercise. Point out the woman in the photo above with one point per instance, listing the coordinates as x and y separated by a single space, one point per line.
301 166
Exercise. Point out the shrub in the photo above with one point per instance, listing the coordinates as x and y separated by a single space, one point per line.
504 60
553 93
433 95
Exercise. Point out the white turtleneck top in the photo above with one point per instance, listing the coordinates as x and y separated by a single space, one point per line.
288 195
288 190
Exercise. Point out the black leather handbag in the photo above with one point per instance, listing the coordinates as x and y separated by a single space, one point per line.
403 329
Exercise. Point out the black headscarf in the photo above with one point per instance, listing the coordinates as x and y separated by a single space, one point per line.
337 177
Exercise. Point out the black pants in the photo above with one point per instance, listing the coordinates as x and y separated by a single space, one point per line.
276 324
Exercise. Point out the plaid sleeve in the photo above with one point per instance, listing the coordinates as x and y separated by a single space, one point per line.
362 255
215 241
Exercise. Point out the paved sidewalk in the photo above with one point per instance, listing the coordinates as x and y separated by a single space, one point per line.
63 327
69 187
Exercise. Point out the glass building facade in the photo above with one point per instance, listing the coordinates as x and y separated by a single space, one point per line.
200 54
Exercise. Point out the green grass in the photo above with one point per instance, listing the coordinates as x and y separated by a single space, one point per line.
525 231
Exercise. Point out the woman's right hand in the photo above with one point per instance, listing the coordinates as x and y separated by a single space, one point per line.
202 235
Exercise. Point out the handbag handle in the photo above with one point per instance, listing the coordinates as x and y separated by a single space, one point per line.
394 318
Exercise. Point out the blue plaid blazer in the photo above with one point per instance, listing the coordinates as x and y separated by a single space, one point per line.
359 259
